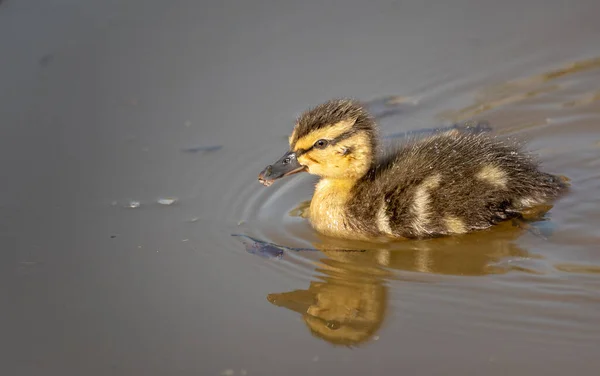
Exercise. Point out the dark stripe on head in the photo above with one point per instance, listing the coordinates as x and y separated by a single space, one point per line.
339 138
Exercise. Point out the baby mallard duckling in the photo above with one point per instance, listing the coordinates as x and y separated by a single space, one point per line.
449 183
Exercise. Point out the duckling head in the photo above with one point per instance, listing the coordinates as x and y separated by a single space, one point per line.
335 140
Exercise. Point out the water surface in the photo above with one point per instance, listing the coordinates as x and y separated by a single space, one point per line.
132 136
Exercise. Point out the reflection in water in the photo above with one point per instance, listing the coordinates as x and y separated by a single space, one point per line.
519 90
347 302
347 305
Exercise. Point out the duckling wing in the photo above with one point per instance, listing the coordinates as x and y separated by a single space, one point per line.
451 183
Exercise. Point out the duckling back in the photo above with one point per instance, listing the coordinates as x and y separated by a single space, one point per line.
450 183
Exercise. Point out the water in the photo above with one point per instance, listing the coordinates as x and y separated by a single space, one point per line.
107 104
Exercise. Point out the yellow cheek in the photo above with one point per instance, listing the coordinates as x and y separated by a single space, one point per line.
306 160
316 161
333 163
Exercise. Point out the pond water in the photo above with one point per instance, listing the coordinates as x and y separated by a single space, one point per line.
136 238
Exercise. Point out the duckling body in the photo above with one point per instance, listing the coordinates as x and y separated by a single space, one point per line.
448 183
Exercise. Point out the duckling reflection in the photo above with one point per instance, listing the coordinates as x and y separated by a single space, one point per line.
345 306
488 252
347 303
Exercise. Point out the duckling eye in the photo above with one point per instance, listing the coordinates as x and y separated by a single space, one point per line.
321 144
286 161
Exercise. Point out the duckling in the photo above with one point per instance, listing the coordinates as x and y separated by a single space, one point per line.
448 183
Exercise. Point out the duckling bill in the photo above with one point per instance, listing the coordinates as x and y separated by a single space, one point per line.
448 183
286 165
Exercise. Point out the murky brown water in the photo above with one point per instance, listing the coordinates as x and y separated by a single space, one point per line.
136 239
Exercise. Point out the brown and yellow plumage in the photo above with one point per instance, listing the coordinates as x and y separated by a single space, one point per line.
448 183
